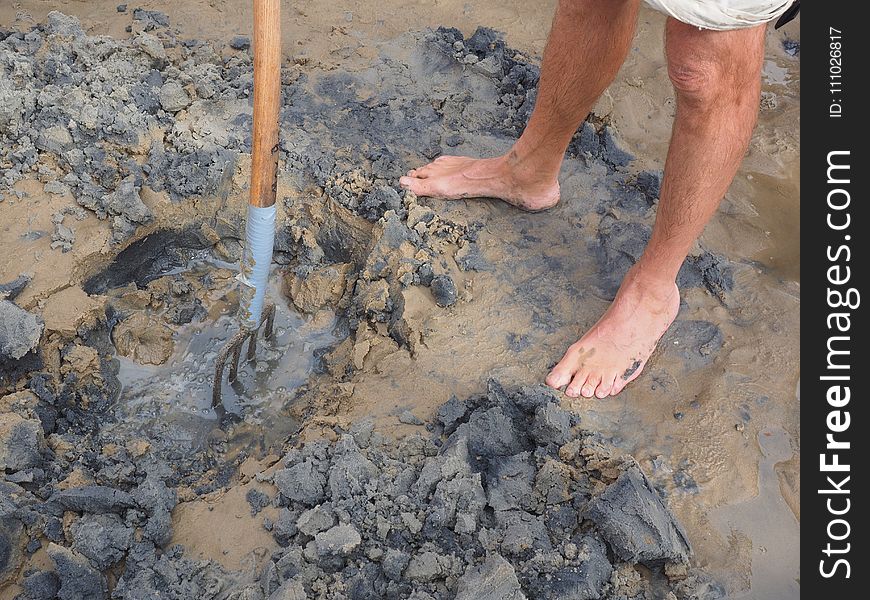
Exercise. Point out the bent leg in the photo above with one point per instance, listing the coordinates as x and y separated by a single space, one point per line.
716 77
588 42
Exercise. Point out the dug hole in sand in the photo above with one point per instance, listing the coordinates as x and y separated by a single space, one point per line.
392 441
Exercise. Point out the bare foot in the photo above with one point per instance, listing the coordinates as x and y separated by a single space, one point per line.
614 352
458 177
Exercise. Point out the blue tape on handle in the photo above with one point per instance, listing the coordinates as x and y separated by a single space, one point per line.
256 260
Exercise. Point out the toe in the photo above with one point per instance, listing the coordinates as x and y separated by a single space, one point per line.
421 187
618 386
588 389
605 387
621 381
559 376
565 369
636 373
576 385
425 171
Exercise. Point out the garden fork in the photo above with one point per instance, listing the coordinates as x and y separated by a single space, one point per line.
254 312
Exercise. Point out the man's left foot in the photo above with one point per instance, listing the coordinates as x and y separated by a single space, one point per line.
614 352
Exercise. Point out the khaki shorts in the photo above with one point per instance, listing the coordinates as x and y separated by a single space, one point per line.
721 15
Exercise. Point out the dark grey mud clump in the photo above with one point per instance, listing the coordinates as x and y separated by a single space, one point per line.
11 289
599 141
20 334
507 499
791 47
443 290
19 331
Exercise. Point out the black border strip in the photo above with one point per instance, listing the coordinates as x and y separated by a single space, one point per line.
834 224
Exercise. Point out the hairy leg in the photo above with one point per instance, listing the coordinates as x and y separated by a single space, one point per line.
716 77
588 42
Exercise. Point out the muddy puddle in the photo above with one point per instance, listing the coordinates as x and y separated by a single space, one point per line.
775 530
172 401
779 217
184 383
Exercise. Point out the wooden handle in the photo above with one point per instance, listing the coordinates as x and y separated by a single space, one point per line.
267 100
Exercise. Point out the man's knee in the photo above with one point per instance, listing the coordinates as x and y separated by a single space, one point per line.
714 66
697 80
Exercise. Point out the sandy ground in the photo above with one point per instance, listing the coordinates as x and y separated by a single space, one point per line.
729 427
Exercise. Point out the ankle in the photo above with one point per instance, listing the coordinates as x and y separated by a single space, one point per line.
652 281
532 165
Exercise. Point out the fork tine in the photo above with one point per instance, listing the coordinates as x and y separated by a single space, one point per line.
220 364
237 353
269 332
252 345
234 348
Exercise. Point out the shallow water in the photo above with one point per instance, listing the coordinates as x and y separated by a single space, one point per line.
775 73
770 524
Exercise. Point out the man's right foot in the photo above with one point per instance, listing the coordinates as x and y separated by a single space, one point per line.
459 177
